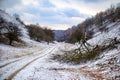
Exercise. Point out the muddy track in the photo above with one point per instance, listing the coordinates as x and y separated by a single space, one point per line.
10 77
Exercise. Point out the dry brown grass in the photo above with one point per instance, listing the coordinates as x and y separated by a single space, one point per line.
26 54
94 73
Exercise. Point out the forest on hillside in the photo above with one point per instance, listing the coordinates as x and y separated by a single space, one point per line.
97 23
11 32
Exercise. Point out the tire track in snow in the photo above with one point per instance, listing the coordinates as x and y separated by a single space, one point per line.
15 73
49 50
10 62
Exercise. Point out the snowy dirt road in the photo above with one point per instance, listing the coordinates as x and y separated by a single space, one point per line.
38 66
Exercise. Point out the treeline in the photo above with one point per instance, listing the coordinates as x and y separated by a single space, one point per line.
36 32
86 52
92 25
40 34
12 31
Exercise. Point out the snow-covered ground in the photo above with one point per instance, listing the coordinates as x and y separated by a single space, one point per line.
32 61
113 31
108 66
37 65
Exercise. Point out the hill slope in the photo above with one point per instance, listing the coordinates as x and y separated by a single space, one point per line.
7 18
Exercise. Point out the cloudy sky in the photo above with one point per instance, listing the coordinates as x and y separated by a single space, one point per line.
56 14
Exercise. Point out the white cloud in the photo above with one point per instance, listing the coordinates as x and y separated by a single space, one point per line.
31 2
60 4
90 8
77 20
38 11
56 26
28 16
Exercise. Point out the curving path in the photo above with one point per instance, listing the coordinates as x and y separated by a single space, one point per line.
9 70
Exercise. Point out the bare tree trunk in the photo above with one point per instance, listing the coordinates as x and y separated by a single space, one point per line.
10 42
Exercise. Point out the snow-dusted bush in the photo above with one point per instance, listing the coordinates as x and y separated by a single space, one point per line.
9 31
13 20
38 33
77 57
82 55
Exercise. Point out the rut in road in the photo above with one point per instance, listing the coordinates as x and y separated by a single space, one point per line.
8 63
48 50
